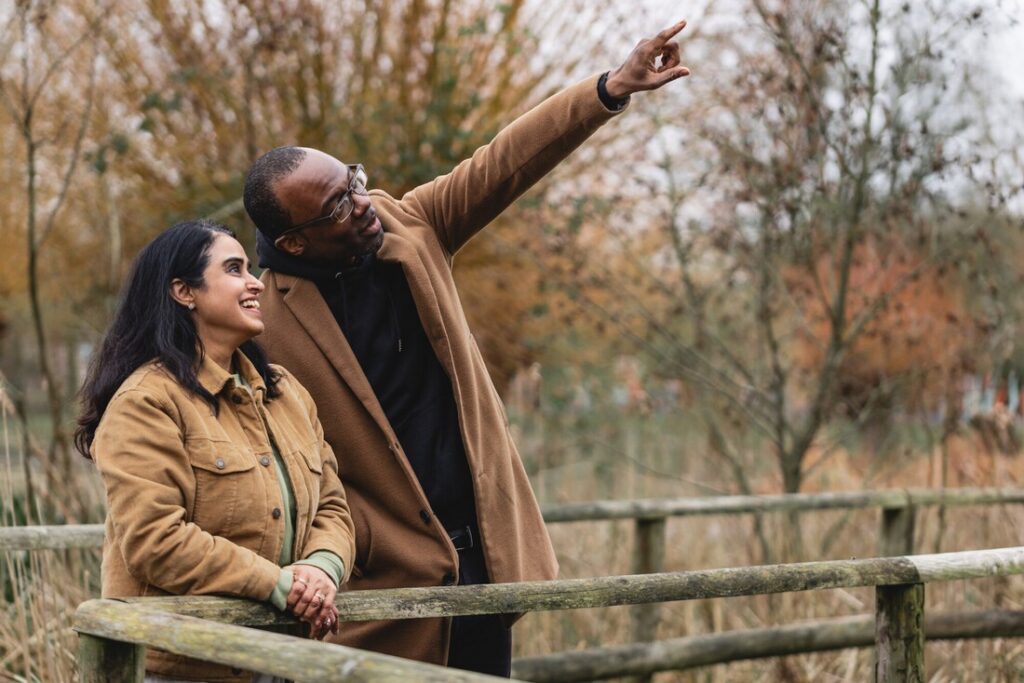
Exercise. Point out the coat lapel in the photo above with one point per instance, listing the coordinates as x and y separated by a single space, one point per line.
310 309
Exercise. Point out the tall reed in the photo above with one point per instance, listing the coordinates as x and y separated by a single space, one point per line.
41 589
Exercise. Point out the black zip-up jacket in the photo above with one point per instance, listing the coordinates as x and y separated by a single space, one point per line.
374 308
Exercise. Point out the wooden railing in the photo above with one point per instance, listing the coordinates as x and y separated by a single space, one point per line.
649 511
114 635
115 632
896 523
896 537
820 635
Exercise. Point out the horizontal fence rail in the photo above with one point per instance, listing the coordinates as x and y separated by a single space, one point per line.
56 537
128 628
659 508
182 624
611 591
91 535
679 654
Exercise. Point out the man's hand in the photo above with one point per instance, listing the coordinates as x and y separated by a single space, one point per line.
641 70
311 599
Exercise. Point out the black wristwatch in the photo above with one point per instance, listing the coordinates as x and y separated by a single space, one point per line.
613 103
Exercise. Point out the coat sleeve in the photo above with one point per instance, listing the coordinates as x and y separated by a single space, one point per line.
462 202
332 527
145 468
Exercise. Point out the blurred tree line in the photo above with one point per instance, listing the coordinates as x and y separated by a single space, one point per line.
819 224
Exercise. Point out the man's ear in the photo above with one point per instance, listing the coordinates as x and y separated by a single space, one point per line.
292 243
181 292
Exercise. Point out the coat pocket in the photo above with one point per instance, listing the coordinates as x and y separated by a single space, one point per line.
224 484
309 471
311 454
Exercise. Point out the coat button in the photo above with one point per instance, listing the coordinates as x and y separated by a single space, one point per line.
219 462
236 398
448 579
425 516
276 513
265 461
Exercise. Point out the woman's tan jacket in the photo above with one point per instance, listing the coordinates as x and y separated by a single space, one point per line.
193 503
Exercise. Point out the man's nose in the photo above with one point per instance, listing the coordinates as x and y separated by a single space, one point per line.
360 203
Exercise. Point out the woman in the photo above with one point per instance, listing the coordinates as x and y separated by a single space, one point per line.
217 475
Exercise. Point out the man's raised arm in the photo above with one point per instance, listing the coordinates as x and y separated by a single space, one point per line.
465 200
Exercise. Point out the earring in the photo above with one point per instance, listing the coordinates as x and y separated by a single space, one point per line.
191 306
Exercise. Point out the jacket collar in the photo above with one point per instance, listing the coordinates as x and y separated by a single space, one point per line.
216 379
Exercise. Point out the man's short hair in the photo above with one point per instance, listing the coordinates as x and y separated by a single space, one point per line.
260 201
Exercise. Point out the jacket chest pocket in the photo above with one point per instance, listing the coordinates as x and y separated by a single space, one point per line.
311 470
225 485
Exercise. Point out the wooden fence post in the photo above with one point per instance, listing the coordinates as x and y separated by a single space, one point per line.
899 633
648 558
101 660
896 536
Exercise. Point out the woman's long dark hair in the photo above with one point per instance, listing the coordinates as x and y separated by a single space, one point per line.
151 325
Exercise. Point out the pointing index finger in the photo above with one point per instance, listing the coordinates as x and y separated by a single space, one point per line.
667 34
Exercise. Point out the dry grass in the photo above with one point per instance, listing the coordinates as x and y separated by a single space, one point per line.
41 589
647 458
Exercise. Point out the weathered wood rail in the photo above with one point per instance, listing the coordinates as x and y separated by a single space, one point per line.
896 524
680 654
116 630
114 635
642 510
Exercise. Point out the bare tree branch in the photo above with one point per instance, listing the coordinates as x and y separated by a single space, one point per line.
76 149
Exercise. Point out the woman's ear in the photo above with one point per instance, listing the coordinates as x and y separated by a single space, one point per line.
182 293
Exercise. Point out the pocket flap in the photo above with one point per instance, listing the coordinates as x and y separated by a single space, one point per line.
219 457
311 454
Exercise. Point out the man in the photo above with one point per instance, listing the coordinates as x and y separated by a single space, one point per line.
361 306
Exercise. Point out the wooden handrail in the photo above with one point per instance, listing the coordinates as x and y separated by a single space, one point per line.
659 508
91 535
115 630
54 537
611 591
118 623
821 635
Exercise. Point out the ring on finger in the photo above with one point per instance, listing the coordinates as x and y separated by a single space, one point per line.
319 599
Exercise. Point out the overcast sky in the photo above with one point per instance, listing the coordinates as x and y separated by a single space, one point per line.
1007 53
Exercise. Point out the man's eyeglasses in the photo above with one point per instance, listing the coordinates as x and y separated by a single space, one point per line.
343 209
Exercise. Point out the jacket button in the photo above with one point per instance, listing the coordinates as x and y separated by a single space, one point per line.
448 579
265 461
219 462
235 398
276 513
425 516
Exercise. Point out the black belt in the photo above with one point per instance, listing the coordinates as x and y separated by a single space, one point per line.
463 538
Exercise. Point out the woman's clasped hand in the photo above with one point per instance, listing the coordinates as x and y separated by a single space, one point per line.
311 599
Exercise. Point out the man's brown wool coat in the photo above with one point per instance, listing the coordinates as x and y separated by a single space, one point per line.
399 542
